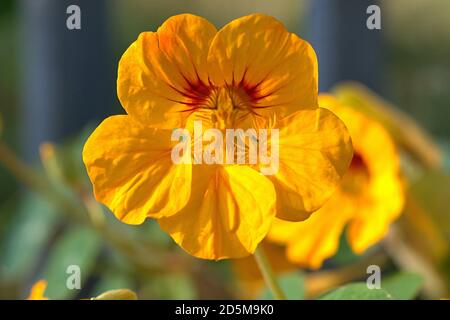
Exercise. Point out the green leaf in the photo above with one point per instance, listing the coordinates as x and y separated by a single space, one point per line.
356 291
291 284
78 246
26 237
403 285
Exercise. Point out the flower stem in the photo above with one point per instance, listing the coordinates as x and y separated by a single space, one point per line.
267 273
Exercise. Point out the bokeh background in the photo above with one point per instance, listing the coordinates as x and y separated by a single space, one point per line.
57 84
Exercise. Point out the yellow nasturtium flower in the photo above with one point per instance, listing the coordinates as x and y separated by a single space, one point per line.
369 199
37 291
252 73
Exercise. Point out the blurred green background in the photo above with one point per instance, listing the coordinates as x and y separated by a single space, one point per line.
56 85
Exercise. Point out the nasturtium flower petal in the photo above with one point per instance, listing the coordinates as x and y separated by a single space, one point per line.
252 74
276 67
312 241
163 73
315 151
229 213
384 194
132 172
37 291
370 196
385 191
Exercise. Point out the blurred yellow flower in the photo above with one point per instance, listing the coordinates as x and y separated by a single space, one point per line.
406 132
369 199
252 73
37 291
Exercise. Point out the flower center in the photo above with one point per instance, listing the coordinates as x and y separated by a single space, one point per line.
223 107
229 106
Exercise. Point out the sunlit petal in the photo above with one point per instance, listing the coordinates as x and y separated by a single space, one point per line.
229 213
132 172
163 73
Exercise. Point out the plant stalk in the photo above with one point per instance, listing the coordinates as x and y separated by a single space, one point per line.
267 273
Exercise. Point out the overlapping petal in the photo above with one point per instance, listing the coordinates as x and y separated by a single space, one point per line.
370 196
229 213
310 242
384 195
252 73
315 151
162 74
132 172
276 67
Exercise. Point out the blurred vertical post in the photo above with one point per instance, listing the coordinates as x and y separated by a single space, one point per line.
346 48
67 75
